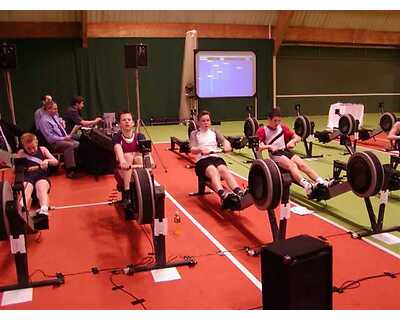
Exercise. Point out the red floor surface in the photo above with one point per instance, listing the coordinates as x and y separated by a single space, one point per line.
82 238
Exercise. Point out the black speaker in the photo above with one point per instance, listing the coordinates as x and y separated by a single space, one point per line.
135 55
8 56
297 274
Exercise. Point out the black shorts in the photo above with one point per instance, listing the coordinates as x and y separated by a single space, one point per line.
35 178
202 165
289 154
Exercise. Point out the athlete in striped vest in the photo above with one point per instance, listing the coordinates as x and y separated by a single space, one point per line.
278 139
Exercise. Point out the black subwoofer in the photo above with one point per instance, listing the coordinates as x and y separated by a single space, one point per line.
297 274
8 56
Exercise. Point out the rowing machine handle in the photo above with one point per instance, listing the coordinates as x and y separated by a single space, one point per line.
380 107
297 108
214 152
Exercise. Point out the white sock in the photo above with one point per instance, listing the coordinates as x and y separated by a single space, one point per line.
304 183
44 208
320 180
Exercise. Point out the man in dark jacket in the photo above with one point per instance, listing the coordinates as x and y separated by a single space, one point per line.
72 115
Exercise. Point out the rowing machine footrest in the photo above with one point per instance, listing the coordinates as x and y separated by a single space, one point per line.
41 222
323 136
364 134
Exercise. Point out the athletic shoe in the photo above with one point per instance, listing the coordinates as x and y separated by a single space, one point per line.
320 192
230 201
328 183
43 211
241 193
309 189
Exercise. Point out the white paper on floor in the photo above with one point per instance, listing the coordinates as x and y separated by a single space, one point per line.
17 296
302 211
168 274
387 238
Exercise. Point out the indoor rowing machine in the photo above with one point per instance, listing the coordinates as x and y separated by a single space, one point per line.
368 177
347 126
147 206
249 139
15 223
267 188
386 122
304 128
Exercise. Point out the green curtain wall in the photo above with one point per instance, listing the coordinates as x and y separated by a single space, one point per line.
63 69
43 66
322 70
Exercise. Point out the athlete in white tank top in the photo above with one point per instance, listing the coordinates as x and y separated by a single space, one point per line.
205 141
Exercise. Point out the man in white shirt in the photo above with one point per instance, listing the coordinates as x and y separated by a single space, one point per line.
204 143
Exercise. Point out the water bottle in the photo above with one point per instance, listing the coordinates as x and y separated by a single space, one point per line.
177 221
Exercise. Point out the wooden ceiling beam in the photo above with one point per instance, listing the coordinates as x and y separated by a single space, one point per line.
280 28
176 30
84 30
15 30
342 36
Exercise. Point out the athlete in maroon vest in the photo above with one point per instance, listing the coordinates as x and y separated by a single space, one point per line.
126 150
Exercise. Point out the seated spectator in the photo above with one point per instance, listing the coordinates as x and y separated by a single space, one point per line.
36 174
72 115
59 141
40 111
8 134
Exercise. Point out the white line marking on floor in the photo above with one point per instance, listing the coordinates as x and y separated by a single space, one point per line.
218 244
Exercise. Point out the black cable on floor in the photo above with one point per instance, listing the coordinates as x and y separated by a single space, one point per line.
354 284
45 275
246 249
148 238
121 288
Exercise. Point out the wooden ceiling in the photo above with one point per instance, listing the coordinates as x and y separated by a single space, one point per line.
355 28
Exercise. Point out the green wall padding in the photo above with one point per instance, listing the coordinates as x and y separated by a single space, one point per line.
62 68
43 66
321 70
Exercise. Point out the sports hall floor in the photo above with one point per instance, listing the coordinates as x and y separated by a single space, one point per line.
225 277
